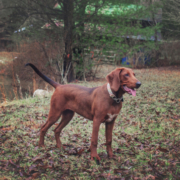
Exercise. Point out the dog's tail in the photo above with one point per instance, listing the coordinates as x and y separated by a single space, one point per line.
51 82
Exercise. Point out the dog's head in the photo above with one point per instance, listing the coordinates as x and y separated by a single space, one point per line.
125 79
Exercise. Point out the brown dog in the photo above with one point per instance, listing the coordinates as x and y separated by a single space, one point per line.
100 104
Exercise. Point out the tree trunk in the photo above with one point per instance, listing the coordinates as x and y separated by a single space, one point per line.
68 38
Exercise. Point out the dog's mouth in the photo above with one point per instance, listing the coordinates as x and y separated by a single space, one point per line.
129 90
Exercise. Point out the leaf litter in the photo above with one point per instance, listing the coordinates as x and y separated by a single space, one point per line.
146 137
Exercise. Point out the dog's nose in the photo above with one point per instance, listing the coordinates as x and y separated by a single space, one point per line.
138 84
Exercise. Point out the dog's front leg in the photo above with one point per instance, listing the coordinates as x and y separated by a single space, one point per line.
94 139
109 129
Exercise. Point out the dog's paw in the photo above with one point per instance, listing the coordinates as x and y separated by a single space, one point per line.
112 156
96 158
60 147
41 145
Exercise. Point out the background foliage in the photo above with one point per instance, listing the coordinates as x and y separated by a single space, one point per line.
86 25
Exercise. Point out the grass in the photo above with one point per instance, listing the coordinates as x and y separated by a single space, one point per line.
146 137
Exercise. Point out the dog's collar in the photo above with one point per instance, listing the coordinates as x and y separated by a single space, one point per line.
118 100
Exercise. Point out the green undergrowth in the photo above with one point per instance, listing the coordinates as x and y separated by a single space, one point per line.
146 137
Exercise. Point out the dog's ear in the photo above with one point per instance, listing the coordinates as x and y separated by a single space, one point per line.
113 79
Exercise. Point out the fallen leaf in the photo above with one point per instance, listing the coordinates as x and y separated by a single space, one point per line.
150 176
35 175
80 152
37 159
119 170
162 149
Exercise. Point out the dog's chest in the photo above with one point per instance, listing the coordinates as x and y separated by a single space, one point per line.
109 117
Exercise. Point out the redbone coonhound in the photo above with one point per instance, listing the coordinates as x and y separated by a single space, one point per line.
100 104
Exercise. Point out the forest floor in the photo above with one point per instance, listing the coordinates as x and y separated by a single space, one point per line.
146 136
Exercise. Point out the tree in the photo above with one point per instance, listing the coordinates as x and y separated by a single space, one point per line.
68 8
171 19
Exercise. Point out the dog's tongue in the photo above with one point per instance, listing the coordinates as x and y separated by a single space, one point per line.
133 92
130 91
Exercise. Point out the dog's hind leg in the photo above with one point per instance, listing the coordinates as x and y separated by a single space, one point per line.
67 115
54 115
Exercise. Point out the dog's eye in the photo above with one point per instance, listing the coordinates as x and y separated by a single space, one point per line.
127 75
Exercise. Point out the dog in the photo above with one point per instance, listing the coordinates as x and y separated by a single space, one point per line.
100 104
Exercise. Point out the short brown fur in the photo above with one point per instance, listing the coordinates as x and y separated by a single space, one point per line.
92 103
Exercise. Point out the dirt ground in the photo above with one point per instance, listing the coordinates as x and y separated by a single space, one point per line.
7 56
